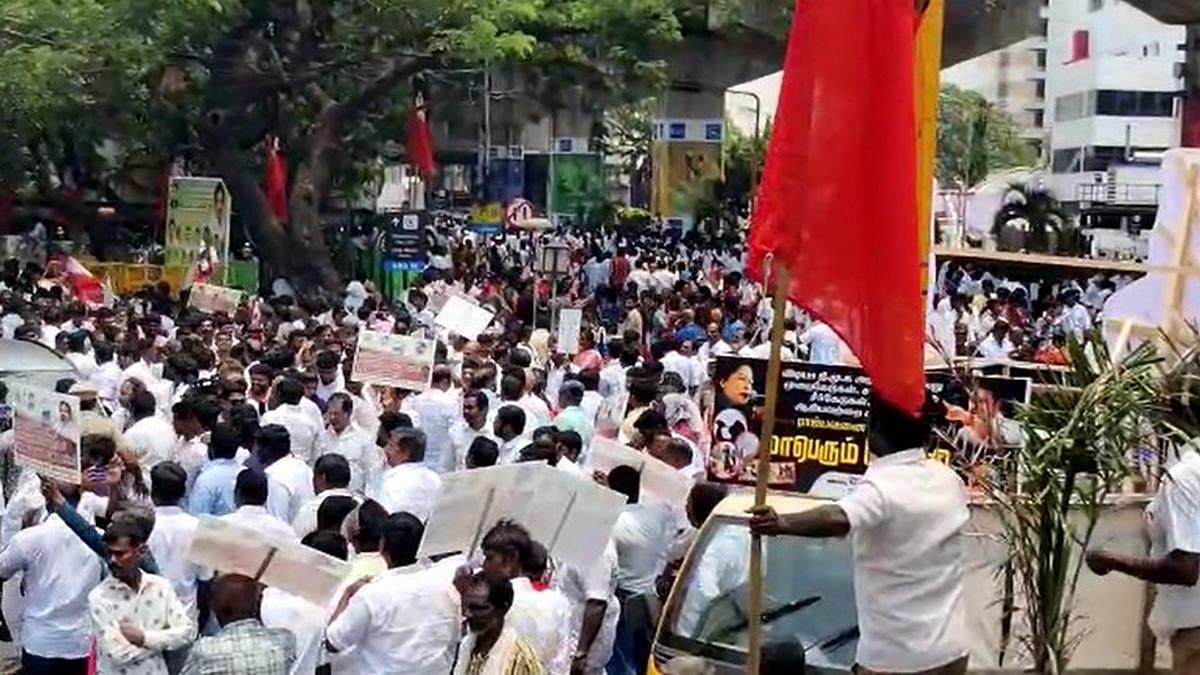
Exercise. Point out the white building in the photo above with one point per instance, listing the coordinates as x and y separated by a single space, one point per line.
1112 90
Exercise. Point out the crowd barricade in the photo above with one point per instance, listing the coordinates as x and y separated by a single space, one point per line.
126 278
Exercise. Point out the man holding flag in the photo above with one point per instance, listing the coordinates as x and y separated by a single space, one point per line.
836 231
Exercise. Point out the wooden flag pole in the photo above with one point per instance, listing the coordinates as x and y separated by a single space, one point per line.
774 367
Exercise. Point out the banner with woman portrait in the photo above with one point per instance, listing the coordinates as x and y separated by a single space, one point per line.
820 439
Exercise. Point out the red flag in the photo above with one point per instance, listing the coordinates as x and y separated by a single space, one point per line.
275 180
838 203
420 138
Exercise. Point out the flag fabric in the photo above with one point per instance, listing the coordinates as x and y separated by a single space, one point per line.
275 180
84 285
837 205
419 141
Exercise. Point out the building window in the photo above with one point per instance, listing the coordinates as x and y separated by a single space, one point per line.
1095 5
1002 89
1040 55
1071 107
1135 103
1040 90
1039 118
1043 28
1069 160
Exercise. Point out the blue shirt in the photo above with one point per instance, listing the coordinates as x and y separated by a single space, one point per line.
212 493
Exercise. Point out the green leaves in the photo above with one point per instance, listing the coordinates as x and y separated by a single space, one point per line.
975 138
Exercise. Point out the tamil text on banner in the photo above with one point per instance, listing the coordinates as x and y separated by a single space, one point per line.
401 361
214 299
820 440
46 432
461 317
570 322
286 565
197 216
560 510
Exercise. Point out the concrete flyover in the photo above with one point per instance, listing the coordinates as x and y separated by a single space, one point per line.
1180 12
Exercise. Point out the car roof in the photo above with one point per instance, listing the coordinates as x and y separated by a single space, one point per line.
737 503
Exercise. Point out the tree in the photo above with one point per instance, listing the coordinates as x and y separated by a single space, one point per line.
744 159
628 138
975 138
331 79
1031 219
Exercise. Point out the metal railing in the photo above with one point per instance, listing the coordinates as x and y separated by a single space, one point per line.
1118 193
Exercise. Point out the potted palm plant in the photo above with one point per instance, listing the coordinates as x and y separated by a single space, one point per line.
1031 219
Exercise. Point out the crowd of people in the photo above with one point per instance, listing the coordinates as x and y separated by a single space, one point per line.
255 419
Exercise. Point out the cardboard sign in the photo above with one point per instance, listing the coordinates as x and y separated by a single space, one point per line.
401 361
560 510
46 432
463 318
659 479
570 322
215 299
286 565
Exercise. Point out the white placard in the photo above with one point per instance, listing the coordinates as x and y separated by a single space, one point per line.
659 479
214 299
286 565
46 432
570 322
570 516
463 318
402 361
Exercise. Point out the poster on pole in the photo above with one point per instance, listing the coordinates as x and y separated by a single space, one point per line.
820 440
560 510
287 565
401 361
461 317
570 322
214 299
198 211
976 420
46 432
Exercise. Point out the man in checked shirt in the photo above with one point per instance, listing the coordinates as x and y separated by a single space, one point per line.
244 645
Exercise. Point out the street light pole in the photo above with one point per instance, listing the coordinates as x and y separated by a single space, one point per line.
757 134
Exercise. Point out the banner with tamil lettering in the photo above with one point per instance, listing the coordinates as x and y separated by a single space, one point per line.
820 440
46 432
399 361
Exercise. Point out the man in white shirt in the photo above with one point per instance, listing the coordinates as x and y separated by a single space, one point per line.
512 431
301 428
150 436
135 616
331 478
107 377
329 376
438 410
250 494
512 392
1173 565
540 615
824 345
345 438
465 431
172 536
685 367
996 345
406 621
407 486
906 517
58 571
148 368
78 356
273 448
192 418
1075 320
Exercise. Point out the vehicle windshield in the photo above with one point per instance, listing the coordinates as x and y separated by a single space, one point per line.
808 603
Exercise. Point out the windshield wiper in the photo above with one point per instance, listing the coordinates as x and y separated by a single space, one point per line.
766 617
836 642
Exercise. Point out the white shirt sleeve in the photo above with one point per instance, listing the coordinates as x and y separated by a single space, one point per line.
350 628
865 506
1182 526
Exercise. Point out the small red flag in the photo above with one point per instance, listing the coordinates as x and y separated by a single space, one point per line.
275 180
420 138
838 203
